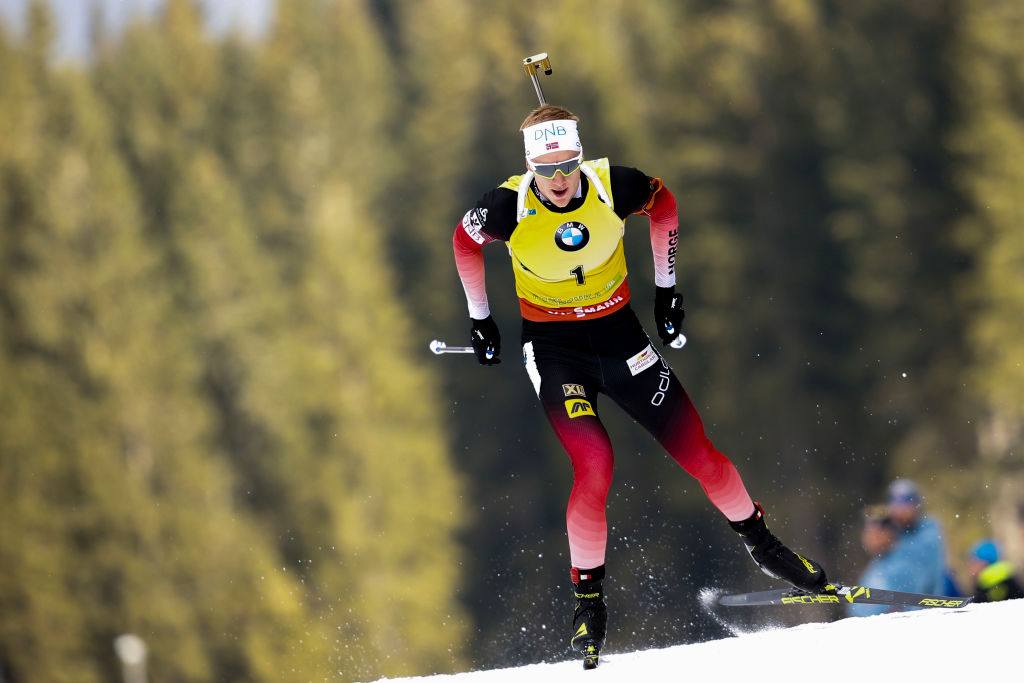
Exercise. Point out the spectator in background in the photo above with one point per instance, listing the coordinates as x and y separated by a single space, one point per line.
888 570
993 578
919 540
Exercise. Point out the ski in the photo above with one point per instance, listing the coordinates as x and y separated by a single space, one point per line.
837 594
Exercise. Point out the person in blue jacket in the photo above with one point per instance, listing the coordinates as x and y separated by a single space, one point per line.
888 569
920 539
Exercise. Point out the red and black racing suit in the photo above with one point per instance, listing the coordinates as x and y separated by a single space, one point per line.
573 354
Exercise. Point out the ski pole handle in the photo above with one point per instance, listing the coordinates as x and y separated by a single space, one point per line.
438 347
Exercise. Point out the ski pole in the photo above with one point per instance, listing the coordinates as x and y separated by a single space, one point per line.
534 64
438 347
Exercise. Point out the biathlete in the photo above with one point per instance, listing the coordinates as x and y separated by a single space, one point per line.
563 222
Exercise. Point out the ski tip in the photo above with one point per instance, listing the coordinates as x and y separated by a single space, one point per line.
734 600
709 597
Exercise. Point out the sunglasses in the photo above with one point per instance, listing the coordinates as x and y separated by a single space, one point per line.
563 167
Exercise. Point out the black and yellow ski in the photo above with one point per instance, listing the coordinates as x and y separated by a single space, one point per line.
837 594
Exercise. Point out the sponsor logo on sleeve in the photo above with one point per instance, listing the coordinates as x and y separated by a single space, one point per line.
473 223
673 243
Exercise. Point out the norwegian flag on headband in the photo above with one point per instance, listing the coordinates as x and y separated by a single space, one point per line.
551 145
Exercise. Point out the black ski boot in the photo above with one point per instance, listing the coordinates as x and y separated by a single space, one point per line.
590 617
775 559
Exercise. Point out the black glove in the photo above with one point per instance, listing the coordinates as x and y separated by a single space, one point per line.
668 313
486 340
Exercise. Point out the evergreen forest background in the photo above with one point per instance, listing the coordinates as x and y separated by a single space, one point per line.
222 258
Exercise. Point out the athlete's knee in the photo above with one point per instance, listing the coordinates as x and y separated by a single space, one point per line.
702 460
593 472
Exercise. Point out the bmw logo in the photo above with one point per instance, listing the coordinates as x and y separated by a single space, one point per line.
571 236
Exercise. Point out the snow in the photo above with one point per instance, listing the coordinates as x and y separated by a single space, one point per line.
934 645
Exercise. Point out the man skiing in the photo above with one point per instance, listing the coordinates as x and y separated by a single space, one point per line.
563 223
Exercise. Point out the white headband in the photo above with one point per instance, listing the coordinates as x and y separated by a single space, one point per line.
551 136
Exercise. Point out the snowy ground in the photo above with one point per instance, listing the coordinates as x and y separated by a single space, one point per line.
976 643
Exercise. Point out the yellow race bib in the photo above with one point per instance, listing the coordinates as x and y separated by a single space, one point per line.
568 260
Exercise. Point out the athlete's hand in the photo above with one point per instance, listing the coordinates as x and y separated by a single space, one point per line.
668 313
486 340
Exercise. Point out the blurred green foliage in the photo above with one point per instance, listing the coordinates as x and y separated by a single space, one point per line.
221 260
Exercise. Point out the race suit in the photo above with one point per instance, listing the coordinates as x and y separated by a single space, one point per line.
581 338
